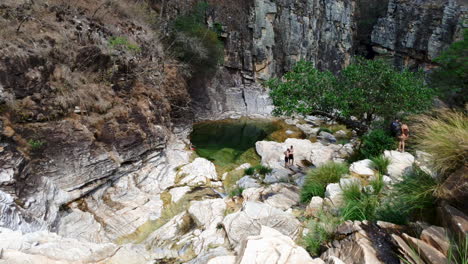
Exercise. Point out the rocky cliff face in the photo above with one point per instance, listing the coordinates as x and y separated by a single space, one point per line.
413 33
264 39
86 95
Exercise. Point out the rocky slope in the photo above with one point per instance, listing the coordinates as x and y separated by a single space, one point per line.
87 95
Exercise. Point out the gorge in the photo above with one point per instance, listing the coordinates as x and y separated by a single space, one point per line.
97 113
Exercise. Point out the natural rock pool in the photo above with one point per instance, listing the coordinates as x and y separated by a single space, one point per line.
232 141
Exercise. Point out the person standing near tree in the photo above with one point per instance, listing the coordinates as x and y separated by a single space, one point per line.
395 128
404 135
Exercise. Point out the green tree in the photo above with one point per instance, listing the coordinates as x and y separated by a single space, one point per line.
451 78
364 91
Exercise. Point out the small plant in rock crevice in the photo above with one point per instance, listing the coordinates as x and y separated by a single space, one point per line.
263 170
249 171
236 192
36 144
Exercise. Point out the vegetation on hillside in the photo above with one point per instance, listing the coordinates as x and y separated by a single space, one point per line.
194 43
361 93
451 78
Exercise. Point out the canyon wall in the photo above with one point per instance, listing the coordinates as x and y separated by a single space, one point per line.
90 101
264 39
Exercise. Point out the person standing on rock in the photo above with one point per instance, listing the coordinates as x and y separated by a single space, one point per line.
395 128
291 156
286 158
404 135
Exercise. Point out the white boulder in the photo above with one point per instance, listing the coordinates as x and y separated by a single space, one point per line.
362 167
253 215
271 246
401 163
334 193
199 172
178 192
247 182
315 206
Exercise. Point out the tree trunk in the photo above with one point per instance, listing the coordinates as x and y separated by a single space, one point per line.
357 126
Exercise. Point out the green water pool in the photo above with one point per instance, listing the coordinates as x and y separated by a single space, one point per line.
230 141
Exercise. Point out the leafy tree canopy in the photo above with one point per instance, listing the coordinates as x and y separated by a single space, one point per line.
451 79
363 91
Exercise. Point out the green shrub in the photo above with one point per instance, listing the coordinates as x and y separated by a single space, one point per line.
380 163
321 230
35 144
375 142
359 204
444 137
317 179
122 42
414 195
194 43
236 192
249 171
377 184
263 170
324 129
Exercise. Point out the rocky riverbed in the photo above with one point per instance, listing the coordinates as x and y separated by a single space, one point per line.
178 209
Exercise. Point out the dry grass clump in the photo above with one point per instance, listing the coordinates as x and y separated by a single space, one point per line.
444 136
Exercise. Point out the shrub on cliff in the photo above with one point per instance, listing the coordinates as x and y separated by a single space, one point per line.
363 92
196 44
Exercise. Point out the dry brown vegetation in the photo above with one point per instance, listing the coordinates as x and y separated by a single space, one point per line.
98 62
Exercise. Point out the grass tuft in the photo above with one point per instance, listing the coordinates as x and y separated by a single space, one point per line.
444 136
317 179
249 171
380 163
236 192
321 230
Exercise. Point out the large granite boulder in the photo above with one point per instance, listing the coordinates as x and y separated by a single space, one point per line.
271 246
400 163
362 167
272 153
45 247
199 172
253 215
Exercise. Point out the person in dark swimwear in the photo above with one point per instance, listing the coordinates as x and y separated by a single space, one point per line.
291 156
286 158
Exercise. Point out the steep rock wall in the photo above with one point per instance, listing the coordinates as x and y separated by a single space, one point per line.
264 39
86 96
413 33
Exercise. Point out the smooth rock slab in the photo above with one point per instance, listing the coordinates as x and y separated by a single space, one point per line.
271 246
362 167
315 206
247 182
334 193
400 163
178 192
253 215
197 173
